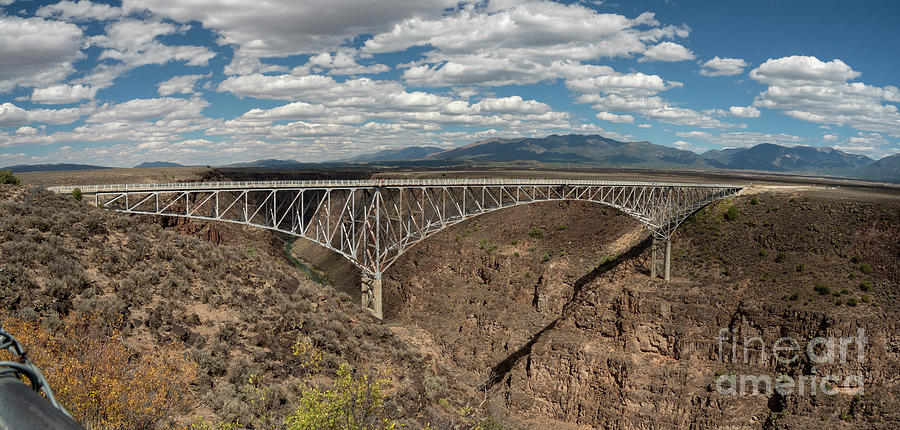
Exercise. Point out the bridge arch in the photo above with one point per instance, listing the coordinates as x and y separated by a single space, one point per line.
372 223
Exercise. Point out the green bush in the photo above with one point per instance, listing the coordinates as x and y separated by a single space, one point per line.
754 200
536 233
731 213
6 177
76 194
865 285
352 403
851 302
822 289
779 257
865 268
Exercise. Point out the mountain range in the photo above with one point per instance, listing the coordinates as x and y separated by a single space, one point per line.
577 150
24 168
587 151
147 164
797 159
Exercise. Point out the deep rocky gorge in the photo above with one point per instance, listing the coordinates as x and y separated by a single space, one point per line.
565 329
538 316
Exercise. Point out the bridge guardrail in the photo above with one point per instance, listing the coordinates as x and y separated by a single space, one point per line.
90 189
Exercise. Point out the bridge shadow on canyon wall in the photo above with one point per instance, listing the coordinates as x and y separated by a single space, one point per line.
628 258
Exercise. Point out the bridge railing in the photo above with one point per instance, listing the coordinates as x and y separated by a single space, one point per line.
65 189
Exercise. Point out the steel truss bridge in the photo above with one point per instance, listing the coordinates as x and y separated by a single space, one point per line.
373 222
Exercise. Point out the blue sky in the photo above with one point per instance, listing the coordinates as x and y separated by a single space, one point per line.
216 82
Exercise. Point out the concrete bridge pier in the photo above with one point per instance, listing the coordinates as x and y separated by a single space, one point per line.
660 257
371 294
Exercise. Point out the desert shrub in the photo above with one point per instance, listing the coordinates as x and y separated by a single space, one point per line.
851 302
731 213
822 289
6 177
536 233
435 386
76 194
779 257
865 268
220 425
865 285
754 200
352 403
102 382
490 423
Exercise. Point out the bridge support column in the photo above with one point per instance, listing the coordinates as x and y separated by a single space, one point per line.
660 257
371 294
668 254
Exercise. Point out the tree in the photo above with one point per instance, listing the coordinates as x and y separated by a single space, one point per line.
6 177
76 194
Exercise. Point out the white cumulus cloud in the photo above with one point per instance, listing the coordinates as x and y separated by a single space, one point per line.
62 94
633 84
744 112
723 67
36 52
279 28
502 43
667 51
79 11
183 84
798 69
611 117
809 89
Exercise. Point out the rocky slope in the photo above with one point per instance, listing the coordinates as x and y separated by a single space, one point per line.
233 309
549 338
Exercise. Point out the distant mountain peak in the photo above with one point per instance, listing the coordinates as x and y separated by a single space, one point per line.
148 164
799 159
397 154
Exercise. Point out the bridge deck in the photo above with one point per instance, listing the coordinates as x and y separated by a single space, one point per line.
197 186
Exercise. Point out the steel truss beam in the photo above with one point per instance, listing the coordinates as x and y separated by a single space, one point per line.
372 223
